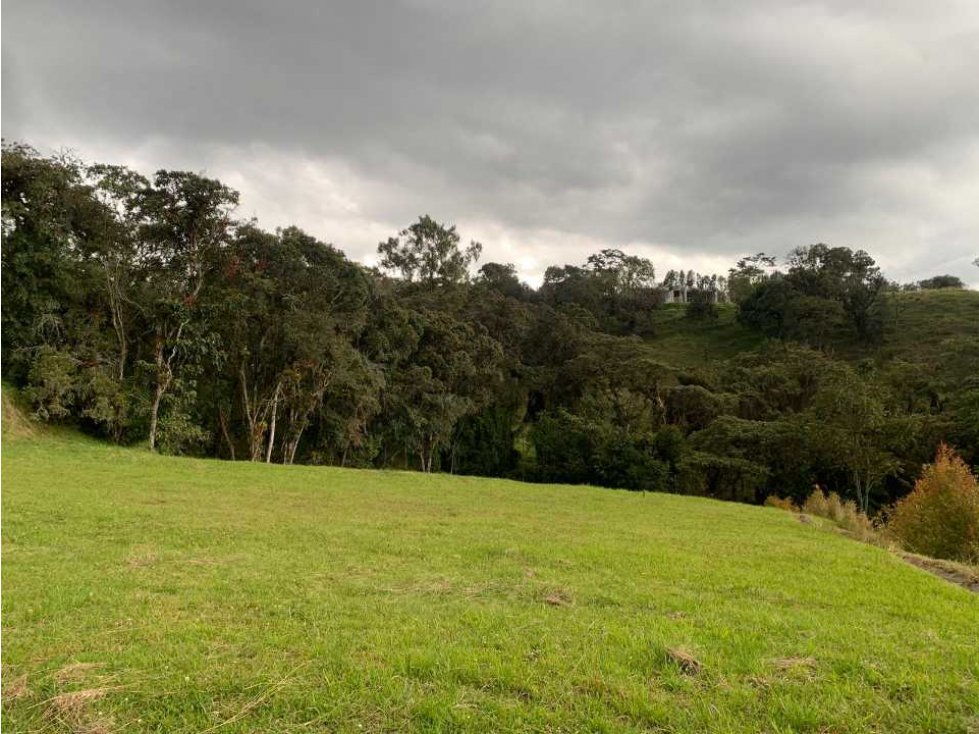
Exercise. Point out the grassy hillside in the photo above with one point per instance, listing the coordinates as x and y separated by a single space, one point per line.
922 320
919 323
681 342
144 593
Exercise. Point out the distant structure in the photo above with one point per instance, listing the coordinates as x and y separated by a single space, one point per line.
684 294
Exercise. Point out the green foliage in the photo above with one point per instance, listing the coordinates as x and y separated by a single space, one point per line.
825 291
849 424
619 290
110 404
503 279
140 308
694 407
429 252
51 383
180 431
721 477
749 272
700 307
940 281
574 450
484 443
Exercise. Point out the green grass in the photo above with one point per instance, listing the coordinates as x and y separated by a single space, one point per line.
237 597
922 320
919 325
680 342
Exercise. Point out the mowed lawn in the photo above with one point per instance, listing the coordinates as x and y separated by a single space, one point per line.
143 593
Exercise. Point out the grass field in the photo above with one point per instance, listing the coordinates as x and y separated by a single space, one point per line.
919 324
680 342
143 593
922 320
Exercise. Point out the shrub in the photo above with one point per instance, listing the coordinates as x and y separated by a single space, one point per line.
844 513
701 309
940 517
52 384
781 503
817 504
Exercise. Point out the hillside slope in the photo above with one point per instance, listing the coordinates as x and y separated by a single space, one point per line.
144 593
923 320
919 325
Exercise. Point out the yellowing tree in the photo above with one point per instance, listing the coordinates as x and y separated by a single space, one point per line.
940 517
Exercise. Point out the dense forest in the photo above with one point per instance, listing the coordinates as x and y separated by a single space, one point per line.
144 310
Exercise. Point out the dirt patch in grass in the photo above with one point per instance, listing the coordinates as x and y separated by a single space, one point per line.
16 689
956 573
73 711
685 661
75 671
558 598
204 562
795 663
142 560
796 668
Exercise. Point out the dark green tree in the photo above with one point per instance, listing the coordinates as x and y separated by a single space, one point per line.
429 252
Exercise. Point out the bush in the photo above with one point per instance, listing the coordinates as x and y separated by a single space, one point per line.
781 503
701 309
574 450
51 384
844 513
816 504
940 518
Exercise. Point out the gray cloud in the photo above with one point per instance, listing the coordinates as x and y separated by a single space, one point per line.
692 132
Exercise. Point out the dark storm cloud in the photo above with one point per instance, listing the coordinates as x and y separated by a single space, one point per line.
691 131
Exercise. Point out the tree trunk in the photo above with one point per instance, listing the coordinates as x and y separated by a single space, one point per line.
223 421
118 321
255 417
427 453
123 355
164 376
297 423
275 411
862 499
155 413
292 446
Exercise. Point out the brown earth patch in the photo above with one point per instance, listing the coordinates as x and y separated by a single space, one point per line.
558 598
15 689
75 671
685 661
795 663
15 423
142 560
956 573
73 711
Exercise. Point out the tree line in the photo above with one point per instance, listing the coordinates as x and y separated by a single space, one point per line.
143 310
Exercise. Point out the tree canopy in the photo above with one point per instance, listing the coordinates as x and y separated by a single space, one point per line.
143 309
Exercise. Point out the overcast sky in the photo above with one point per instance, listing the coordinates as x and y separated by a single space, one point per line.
690 132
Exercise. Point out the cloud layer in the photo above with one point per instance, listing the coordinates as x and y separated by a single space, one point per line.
690 132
